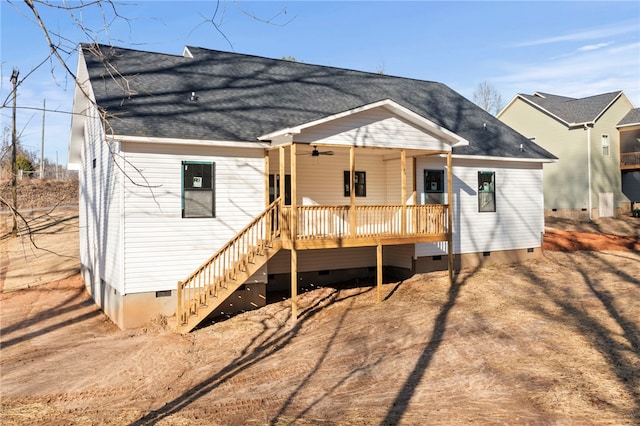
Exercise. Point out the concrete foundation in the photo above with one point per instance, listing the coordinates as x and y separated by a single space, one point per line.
474 260
135 310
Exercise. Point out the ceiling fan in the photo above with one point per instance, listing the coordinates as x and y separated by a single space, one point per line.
316 153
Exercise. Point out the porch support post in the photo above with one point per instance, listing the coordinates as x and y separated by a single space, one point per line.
294 284
450 216
379 271
294 203
281 172
414 195
403 177
352 190
266 178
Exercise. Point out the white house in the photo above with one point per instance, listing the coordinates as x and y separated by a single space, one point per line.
182 161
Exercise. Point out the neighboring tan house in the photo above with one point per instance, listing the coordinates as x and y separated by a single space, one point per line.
586 182
629 133
210 179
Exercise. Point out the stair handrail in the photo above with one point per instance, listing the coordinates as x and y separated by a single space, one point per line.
263 229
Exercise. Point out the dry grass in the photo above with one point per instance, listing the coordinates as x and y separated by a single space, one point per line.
554 341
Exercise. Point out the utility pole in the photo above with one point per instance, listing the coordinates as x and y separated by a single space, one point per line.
14 142
44 107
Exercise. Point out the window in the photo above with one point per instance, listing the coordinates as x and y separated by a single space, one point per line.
274 188
486 192
360 184
605 145
434 186
198 190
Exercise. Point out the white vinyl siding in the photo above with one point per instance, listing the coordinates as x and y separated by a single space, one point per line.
100 206
518 222
377 127
162 247
321 179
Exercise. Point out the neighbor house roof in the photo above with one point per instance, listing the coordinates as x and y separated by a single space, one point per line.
242 97
632 118
573 111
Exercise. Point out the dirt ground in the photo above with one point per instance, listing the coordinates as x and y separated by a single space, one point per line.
550 341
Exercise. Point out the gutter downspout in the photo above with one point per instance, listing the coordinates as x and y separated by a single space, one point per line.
588 126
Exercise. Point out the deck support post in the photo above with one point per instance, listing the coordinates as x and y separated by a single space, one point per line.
450 216
379 271
352 191
294 284
180 307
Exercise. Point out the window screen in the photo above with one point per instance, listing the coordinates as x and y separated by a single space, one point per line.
486 192
198 190
434 186
360 184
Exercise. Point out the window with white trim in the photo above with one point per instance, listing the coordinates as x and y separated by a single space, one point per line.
605 145
198 189
359 183
486 192
434 186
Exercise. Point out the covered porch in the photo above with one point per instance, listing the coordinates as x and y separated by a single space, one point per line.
333 196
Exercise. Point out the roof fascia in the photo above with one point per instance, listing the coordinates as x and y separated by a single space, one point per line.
510 159
508 105
546 111
632 126
195 142
79 111
614 100
452 138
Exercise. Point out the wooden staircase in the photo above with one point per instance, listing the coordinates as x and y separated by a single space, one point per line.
223 273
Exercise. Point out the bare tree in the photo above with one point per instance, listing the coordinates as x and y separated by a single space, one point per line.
488 98
64 26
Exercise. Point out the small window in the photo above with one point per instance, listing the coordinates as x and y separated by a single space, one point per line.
434 186
605 145
198 189
360 184
486 192
274 188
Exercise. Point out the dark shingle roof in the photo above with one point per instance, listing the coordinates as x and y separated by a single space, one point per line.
571 110
241 97
632 117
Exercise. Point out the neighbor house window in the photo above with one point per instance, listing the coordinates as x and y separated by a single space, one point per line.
605 145
360 184
198 189
486 192
434 186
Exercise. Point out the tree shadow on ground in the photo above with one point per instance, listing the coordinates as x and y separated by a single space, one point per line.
253 353
622 358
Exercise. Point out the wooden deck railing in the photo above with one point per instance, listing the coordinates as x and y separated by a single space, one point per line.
332 222
630 160
223 266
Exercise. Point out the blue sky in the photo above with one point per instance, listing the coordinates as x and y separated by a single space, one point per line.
567 48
